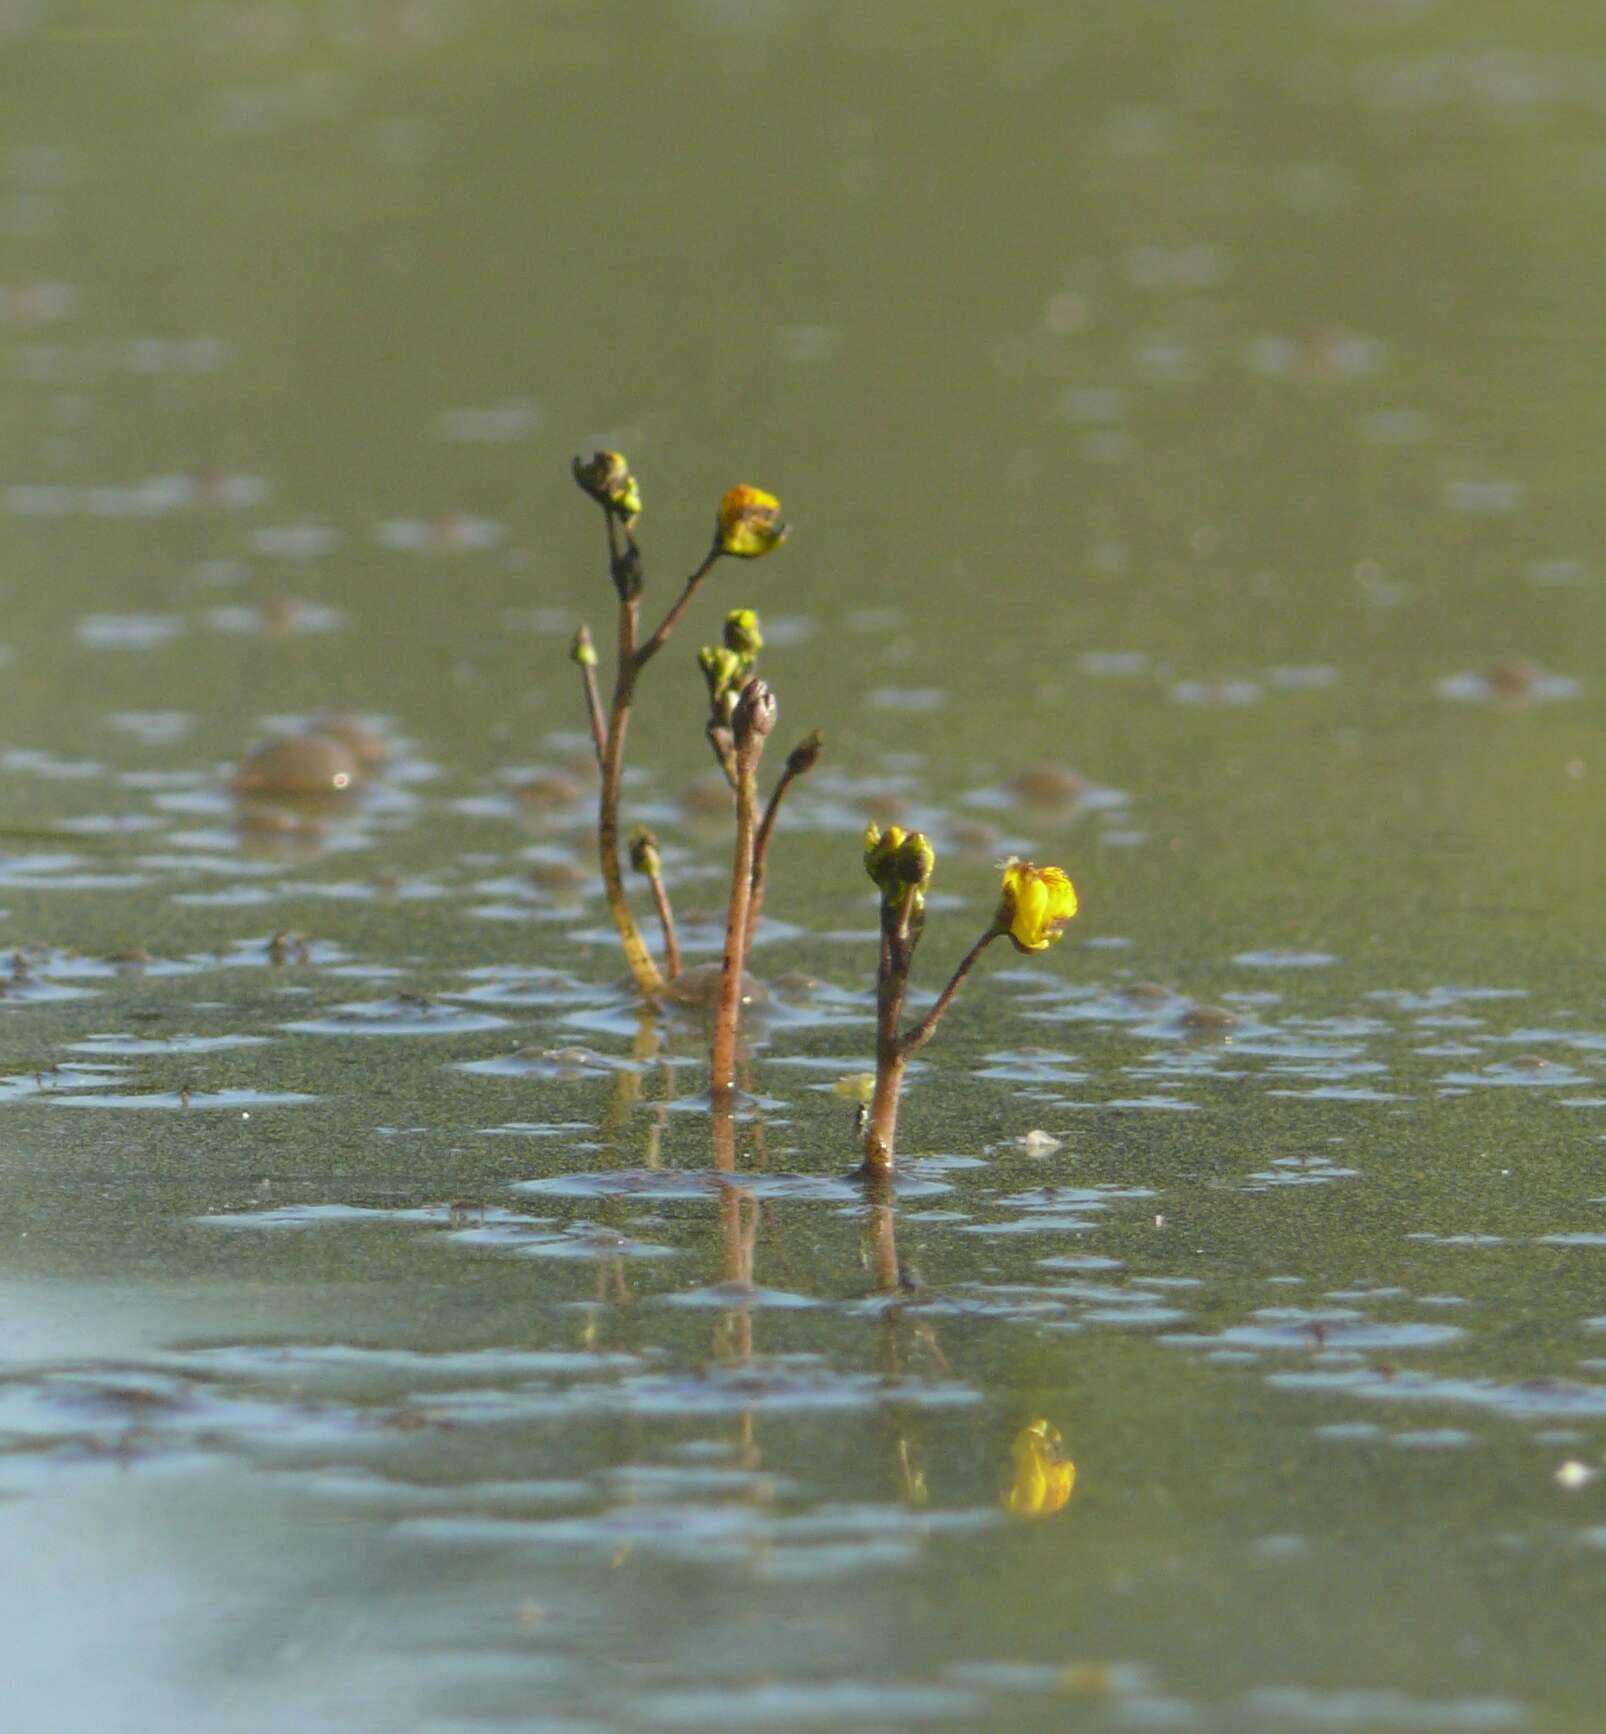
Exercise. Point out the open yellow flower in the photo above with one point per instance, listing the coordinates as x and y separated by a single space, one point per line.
1035 905
749 523
1044 1475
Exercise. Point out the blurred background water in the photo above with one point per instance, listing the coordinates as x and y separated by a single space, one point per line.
1191 421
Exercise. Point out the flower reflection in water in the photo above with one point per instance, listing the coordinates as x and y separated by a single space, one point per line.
1044 1475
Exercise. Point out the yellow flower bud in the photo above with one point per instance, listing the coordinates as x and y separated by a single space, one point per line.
880 850
1044 1475
1035 904
722 669
606 477
749 523
742 634
915 860
644 856
582 650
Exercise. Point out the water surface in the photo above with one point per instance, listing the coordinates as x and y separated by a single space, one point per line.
1192 430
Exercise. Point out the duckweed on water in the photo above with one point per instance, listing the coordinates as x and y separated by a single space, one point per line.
495 1371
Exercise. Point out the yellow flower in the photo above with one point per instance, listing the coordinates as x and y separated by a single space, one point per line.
607 479
749 523
1036 904
1044 1475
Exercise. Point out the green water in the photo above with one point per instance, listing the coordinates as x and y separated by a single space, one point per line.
1205 399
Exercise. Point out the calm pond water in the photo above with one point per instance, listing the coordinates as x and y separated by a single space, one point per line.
1204 401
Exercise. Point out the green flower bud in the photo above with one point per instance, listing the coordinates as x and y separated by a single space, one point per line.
606 478
644 856
806 754
722 669
742 634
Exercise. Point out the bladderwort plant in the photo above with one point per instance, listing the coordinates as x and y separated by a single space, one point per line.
742 715
1034 902
1033 906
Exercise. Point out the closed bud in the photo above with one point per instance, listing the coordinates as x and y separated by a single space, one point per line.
606 478
721 667
806 754
914 861
582 650
880 851
644 856
742 634
756 713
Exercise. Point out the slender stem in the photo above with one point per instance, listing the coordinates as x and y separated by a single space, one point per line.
913 1040
666 919
723 1054
667 625
599 728
761 851
892 977
642 967
723 746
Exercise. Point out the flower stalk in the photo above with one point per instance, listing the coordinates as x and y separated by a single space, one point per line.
1034 905
799 762
747 525
583 653
752 723
646 860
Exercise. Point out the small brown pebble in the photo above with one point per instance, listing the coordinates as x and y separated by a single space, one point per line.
707 798
310 764
550 789
1208 1017
1048 784
559 876
1513 679
699 986
368 744
975 835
